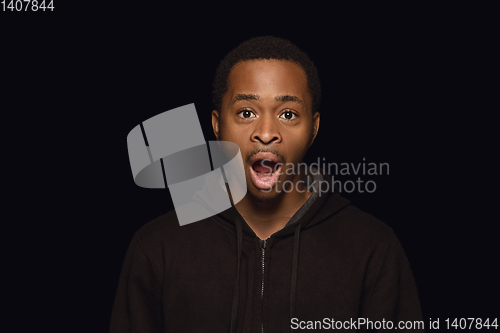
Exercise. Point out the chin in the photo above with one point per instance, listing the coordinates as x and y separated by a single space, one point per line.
265 197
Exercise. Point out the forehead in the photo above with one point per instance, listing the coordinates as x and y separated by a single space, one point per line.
268 78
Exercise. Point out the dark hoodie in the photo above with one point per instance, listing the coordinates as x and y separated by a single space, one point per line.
331 261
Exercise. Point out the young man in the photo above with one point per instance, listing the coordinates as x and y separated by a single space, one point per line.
286 257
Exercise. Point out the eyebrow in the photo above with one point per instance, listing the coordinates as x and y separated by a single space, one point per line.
279 98
244 97
288 98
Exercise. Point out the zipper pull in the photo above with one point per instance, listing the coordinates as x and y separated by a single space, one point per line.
262 244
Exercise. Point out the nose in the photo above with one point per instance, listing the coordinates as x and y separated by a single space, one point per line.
266 130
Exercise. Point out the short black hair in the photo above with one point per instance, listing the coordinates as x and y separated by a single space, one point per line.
266 47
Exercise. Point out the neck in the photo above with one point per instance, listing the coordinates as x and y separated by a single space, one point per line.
266 218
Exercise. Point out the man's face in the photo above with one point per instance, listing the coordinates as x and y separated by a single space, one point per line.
267 111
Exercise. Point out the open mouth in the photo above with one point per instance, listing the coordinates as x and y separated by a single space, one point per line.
265 173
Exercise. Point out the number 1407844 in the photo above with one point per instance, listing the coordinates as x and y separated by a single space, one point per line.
27 5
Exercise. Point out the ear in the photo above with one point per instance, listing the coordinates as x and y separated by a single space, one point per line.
315 127
216 123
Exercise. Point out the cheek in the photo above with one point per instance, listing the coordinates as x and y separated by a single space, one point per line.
298 144
227 132
302 138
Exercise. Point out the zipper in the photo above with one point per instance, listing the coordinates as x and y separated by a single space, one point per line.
263 250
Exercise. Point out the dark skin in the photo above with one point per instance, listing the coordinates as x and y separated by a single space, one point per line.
268 107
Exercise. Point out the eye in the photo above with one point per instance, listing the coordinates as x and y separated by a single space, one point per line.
289 115
246 114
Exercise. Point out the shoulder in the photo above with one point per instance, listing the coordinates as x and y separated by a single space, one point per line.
160 227
361 229
361 222
368 241
154 237
164 234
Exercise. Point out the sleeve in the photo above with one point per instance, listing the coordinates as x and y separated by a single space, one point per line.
137 307
393 295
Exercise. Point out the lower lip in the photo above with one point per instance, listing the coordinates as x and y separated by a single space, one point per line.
264 181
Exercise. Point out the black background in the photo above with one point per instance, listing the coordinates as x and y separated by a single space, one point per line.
408 86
